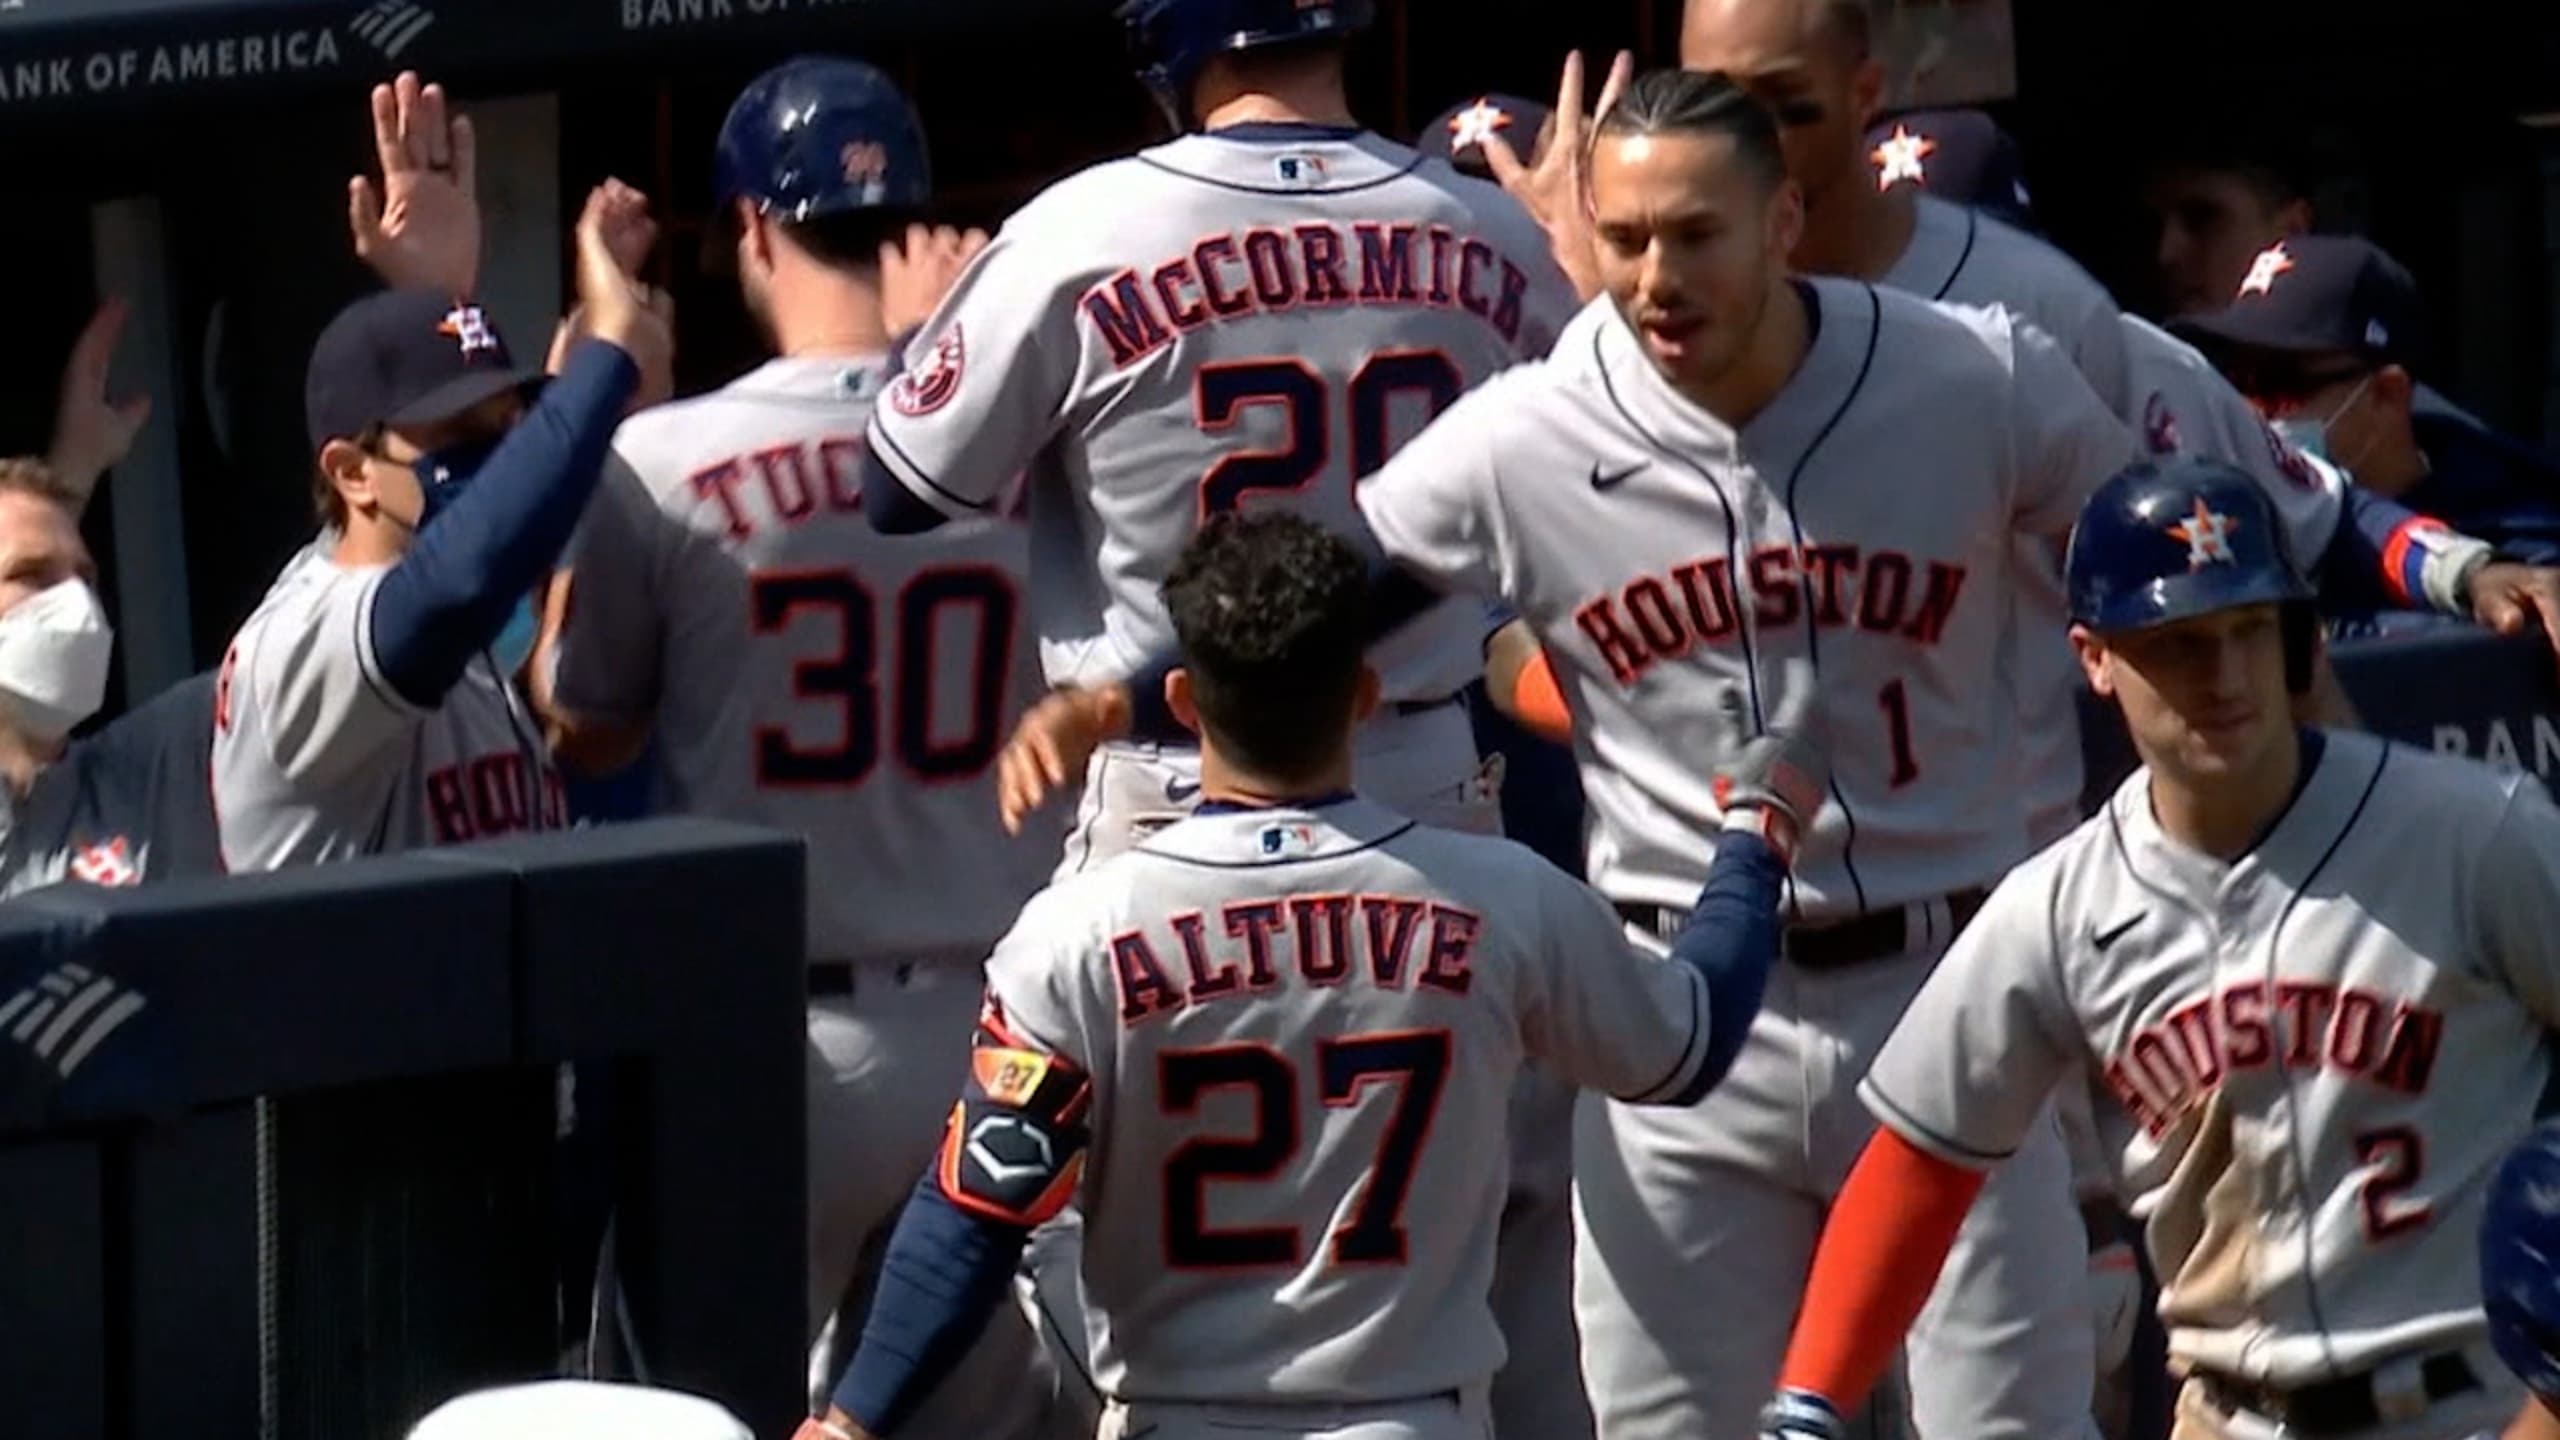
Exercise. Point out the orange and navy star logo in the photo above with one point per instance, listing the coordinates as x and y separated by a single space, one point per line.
2207 533
1899 157
2271 262
1476 124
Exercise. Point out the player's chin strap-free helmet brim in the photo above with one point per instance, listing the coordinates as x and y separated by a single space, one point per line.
1172 41
820 135
2170 540
2520 1262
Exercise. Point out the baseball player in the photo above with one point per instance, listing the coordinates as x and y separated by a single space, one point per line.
799 671
1285 1121
357 710
2305 977
2519 1284
1253 316
1682 503
578 1410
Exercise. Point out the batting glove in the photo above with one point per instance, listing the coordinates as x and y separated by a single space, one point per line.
1801 1415
1773 787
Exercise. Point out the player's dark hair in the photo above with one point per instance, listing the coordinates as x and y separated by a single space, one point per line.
1701 102
850 239
1273 615
1851 26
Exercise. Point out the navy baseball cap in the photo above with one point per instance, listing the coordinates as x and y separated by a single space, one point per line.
2312 293
1960 156
404 357
1458 133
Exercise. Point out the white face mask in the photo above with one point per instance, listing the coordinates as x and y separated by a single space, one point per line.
54 649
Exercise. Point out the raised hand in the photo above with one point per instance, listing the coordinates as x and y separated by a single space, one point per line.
92 433
919 270
421 229
1556 192
614 304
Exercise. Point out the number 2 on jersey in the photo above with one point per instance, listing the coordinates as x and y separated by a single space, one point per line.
1223 393
850 677
1414 1062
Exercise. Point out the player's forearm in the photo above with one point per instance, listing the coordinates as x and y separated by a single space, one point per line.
945 1272
2388 556
1881 1249
463 576
1731 940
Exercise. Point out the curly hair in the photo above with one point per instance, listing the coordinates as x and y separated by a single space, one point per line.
1273 615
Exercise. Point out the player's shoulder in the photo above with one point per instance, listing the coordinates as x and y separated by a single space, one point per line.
780 400
2030 264
2415 784
308 584
1952 340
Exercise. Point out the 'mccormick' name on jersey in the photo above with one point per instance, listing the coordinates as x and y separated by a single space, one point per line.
1269 270
1883 592
1306 940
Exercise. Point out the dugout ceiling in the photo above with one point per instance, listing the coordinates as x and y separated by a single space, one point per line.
63 56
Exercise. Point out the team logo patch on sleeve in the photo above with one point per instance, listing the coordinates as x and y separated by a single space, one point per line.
930 385
2160 427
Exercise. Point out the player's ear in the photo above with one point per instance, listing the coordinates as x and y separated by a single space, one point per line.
1179 699
755 239
2093 661
1866 96
2396 388
1786 219
342 465
1365 695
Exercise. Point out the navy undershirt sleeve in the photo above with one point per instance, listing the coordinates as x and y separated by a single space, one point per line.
1731 940
890 506
451 595
945 1272
2370 565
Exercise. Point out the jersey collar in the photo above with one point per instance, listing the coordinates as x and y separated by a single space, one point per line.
1249 837
1240 807
1283 132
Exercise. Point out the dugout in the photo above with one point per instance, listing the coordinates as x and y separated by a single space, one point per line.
193 154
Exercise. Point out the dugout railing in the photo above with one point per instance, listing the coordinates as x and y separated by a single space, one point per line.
300 1156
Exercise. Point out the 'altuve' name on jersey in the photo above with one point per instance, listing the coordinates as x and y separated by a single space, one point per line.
1269 271
1401 940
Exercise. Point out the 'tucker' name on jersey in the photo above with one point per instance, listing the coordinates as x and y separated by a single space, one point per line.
1269 271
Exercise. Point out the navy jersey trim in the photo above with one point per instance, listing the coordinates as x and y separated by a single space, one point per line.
1363 848
912 474
1685 1071
1904 1120
1972 233
1294 190
1284 132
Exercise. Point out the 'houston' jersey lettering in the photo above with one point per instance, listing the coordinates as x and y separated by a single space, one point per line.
1251 318
1284 1043
1857 532
2304 1064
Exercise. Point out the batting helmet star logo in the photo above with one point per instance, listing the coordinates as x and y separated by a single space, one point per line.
2207 533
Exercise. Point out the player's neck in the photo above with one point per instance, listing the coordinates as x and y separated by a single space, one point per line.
1231 784
2228 816
1307 100
828 314
1858 233
369 540
1778 344
23 758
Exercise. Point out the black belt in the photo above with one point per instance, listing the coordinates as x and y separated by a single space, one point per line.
1877 935
830 979
2336 1407
1404 709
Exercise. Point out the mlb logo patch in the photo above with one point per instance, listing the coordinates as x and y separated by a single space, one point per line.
1284 841
1305 171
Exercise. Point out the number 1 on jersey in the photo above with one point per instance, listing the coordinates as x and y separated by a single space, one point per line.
1895 701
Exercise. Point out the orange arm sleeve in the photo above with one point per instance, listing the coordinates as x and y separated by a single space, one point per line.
1538 702
1889 1233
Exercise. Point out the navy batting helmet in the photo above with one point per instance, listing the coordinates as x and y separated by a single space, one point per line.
818 135
2172 538
2520 1262
1173 40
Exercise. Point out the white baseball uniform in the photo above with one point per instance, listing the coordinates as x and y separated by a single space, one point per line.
806 673
123 806
1255 317
2305 1063
1301 1027
317 758
1857 529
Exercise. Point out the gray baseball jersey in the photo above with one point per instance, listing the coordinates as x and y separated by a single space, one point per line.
316 757
803 671
1256 317
1963 257
1301 1028
123 806
1860 527
2305 1063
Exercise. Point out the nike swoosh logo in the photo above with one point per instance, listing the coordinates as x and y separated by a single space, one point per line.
2105 938
1179 793
1611 479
